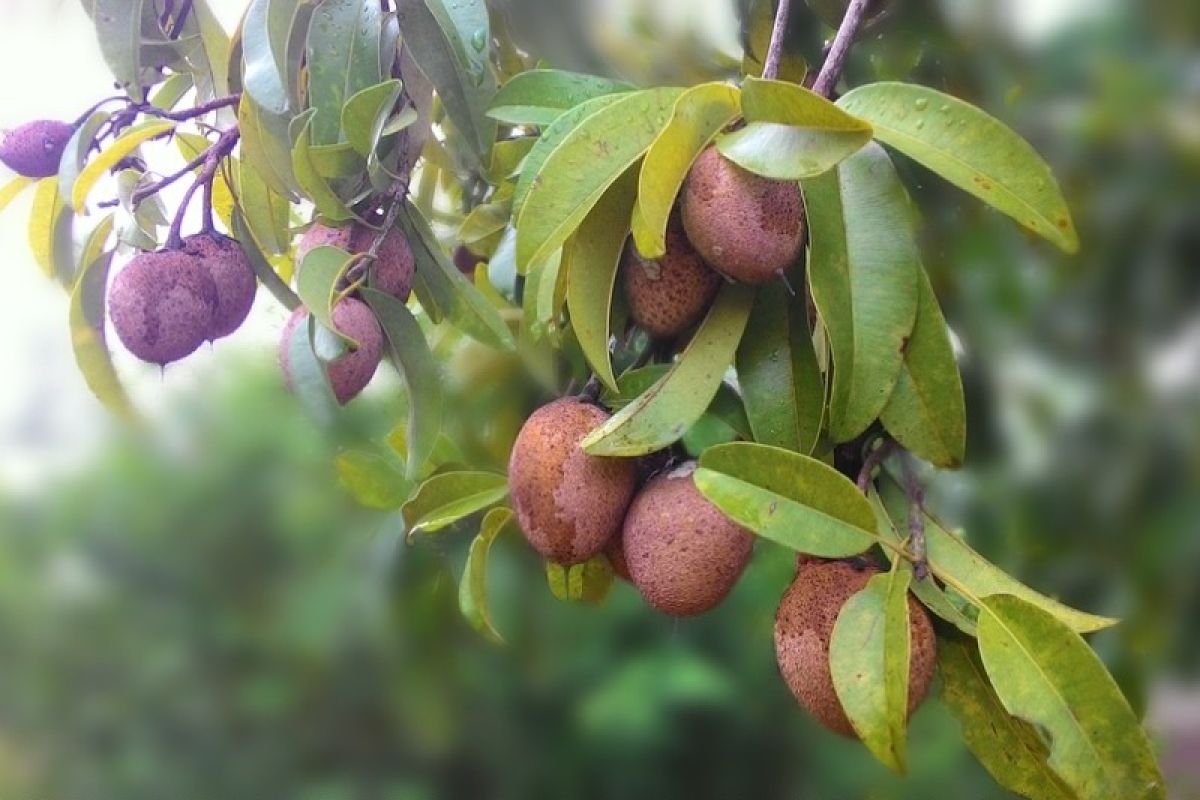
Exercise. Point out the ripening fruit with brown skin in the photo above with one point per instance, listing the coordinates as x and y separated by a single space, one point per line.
747 227
161 305
232 275
682 553
34 149
569 504
668 295
804 625
350 373
395 266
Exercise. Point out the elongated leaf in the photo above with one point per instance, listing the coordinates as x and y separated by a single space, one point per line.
266 213
99 166
926 412
1044 673
214 79
726 405
446 498
778 373
365 114
119 32
758 20
862 270
309 177
317 283
587 161
869 662
75 154
472 590
50 223
343 59
11 190
540 96
971 149
788 498
950 556
266 31
263 270
307 376
372 480
595 254
266 147
668 408
411 355
699 114
1009 748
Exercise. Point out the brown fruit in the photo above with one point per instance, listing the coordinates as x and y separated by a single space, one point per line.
804 624
568 503
667 295
393 269
683 554
35 149
162 305
350 373
232 275
615 552
745 226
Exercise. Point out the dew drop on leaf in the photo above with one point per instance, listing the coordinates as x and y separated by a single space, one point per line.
479 39
921 104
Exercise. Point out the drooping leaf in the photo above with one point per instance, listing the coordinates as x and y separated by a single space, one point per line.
971 149
343 59
449 496
266 147
371 479
119 32
171 91
266 212
213 81
700 114
540 96
862 270
50 223
726 405
788 498
99 166
267 33
1045 674
582 167
75 154
309 177
263 270
365 113
11 190
869 662
317 283
472 590
306 374
666 410
588 582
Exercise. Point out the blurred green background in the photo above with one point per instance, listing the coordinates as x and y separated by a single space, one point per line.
198 610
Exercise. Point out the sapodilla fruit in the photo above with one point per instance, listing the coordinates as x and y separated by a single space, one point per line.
232 275
161 305
395 266
569 504
668 294
804 624
350 372
748 227
682 553
35 149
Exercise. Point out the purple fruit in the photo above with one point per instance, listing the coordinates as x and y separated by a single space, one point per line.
231 273
35 148
393 269
161 305
352 371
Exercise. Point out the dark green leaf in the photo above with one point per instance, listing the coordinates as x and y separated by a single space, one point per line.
343 59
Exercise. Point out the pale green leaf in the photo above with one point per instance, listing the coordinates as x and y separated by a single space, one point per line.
307 375
99 166
343 59
119 32
448 497
317 283
365 114
540 96
371 479
472 589
309 177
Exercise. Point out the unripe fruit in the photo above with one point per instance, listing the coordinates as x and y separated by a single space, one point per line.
350 372
35 148
569 504
745 226
161 305
232 275
683 554
668 294
393 268
804 625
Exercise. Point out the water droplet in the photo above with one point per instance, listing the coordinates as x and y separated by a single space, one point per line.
479 39
944 108
921 104
920 124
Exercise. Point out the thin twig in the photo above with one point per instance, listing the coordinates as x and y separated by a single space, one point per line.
212 162
153 188
191 113
872 461
916 517
185 8
775 48
831 70
82 118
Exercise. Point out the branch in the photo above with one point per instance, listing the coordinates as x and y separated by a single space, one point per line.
916 517
212 161
831 70
191 113
873 460
775 48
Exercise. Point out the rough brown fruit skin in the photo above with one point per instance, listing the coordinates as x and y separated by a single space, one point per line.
232 275
35 149
744 225
395 266
684 555
352 371
161 305
667 295
568 503
615 552
804 624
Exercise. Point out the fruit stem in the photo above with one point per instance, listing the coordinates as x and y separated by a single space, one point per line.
872 461
916 516
831 70
211 161
775 48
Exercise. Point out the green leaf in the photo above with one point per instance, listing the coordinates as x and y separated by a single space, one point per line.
700 113
50 223
588 582
952 560
267 39
595 254
869 662
267 213
587 161
215 76
726 405
971 149
371 480
758 20
665 411
792 133
777 371
119 32
1010 749
540 96
100 166
307 376
472 589
862 270
788 498
448 497
365 114
343 59
266 147
1045 674
309 177
263 270
171 91
317 283
13 188
926 412
412 356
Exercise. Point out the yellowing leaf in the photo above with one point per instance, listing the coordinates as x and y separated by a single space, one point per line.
472 589
540 96
99 166
12 189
